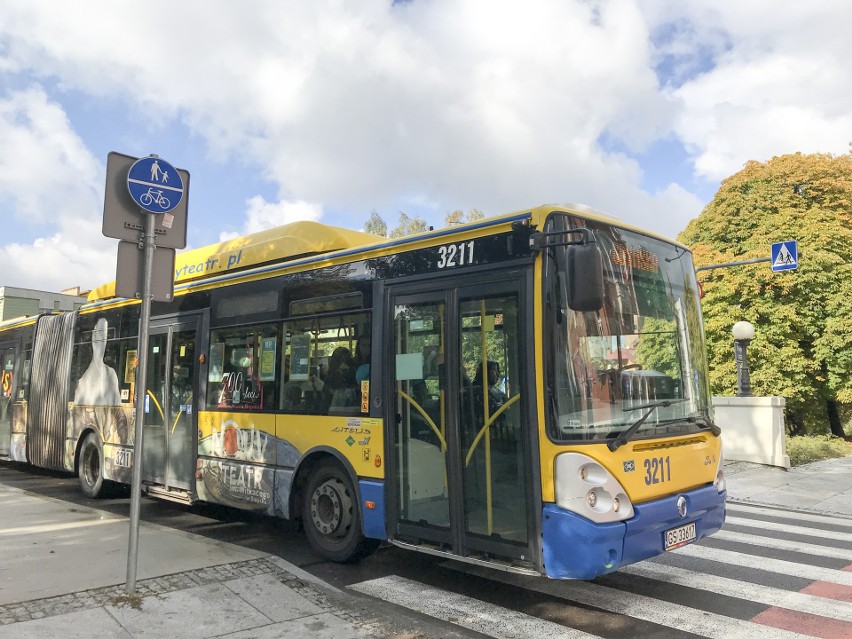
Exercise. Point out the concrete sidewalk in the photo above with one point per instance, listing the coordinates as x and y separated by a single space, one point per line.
254 598
823 486
63 569
54 581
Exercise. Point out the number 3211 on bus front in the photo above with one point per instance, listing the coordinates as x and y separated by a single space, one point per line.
451 255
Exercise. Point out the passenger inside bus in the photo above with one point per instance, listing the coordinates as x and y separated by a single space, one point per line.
420 427
496 397
362 360
339 392
293 398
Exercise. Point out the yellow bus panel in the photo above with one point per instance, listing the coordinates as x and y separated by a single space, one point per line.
282 439
647 469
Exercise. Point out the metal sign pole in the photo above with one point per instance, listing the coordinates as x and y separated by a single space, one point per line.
729 264
137 191
141 392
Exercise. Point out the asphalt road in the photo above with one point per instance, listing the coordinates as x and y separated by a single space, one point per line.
768 572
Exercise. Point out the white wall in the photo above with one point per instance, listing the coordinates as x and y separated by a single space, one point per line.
752 429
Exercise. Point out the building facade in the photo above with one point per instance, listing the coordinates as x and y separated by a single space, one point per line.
24 302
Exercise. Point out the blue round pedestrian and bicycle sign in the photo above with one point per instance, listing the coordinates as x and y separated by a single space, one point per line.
154 184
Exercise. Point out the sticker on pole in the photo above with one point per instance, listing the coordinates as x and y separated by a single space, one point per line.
154 184
785 256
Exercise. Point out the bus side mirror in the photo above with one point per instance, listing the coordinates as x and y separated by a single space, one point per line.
585 277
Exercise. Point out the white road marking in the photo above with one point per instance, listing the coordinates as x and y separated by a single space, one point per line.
784 544
668 615
787 528
793 569
791 516
742 590
467 612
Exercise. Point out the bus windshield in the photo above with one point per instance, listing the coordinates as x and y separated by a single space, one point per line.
642 352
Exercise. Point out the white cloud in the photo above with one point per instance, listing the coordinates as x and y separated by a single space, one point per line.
76 255
349 107
51 182
778 82
45 168
262 215
444 104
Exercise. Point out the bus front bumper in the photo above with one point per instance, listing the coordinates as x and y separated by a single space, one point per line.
576 548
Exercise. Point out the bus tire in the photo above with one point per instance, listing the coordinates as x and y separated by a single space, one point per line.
90 467
331 516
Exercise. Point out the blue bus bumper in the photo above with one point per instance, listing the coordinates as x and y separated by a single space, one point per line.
576 548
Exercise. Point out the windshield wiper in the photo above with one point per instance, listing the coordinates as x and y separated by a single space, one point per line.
622 439
707 424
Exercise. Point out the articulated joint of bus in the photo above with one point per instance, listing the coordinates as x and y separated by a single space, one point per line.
593 528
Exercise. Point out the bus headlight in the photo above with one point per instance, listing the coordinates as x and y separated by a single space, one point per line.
585 487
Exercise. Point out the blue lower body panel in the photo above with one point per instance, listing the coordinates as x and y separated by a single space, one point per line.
576 548
374 518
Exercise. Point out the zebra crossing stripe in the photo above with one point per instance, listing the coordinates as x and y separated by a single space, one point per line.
787 528
798 601
473 614
828 520
805 571
784 544
658 611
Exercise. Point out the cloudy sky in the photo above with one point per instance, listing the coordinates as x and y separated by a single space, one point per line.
327 109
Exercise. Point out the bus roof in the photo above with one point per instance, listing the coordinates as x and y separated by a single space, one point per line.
297 240
279 244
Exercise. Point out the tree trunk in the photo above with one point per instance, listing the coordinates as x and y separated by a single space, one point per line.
834 419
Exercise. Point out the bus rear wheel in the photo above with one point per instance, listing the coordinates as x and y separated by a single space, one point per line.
90 467
331 516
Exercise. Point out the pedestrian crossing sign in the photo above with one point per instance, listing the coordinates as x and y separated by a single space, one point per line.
785 255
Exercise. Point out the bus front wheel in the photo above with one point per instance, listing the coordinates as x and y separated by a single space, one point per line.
331 516
90 467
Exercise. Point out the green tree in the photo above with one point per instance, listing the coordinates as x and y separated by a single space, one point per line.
657 350
376 225
460 217
409 226
803 342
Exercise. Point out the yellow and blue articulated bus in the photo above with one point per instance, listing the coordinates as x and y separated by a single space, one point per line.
527 392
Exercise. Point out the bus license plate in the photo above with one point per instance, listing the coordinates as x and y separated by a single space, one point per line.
123 457
677 537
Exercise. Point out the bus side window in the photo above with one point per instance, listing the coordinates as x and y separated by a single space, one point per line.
244 368
323 359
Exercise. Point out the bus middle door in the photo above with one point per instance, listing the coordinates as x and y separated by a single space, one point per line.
169 437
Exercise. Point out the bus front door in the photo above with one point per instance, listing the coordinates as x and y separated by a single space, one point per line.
459 455
169 437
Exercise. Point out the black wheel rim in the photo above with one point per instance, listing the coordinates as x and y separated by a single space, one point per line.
331 509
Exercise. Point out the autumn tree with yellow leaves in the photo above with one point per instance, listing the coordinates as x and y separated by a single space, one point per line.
803 318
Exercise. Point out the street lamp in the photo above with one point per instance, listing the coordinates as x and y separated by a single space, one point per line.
743 334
